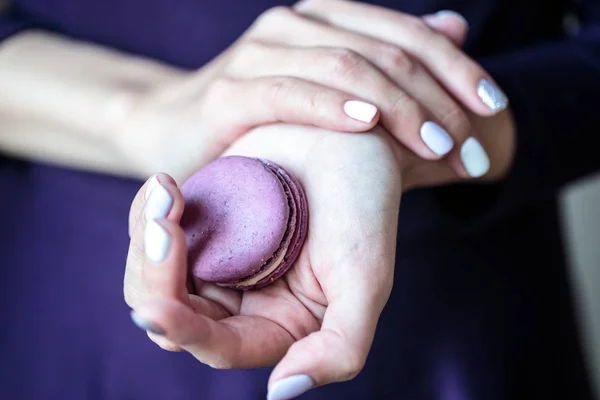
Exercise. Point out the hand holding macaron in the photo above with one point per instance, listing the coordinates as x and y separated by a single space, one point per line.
316 322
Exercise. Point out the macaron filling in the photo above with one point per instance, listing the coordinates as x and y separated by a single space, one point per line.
257 278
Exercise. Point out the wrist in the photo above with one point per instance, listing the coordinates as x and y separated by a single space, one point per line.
137 85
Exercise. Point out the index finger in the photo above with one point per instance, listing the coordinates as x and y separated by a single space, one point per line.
241 341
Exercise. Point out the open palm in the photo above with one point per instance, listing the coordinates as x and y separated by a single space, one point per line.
320 318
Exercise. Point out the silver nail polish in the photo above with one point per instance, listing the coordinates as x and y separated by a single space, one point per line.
491 95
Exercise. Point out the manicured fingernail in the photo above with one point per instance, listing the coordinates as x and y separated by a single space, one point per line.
156 242
492 96
361 111
146 325
474 158
450 13
158 204
436 138
290 387
151 185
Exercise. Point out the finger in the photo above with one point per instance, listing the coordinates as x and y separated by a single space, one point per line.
164 202
199 305
229 300
450 24
163 342
463 77
142 195
336 353
255 102
346 71
235 342
164 273
430 129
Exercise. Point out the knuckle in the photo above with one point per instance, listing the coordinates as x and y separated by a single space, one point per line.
222 364
255 46
306 5
251 49
314 102
417 27
220 89
454 57
351 363
173 348
275 16
394 60
164 344
277 89
404 108
346 62
457 121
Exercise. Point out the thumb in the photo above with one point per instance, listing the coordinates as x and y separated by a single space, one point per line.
449 23
335 353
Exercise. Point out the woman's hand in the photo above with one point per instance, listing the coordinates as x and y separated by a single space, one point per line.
290 67
393 60
185 123
437 49
317 322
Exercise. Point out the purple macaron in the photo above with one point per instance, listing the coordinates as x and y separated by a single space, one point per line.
245 221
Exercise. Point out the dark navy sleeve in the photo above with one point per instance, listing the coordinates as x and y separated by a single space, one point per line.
10 23
554 92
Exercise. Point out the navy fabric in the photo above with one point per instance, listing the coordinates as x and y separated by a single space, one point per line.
481 307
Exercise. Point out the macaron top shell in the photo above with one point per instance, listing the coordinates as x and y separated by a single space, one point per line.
236 215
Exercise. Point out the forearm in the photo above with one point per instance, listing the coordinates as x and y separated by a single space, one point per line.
62 99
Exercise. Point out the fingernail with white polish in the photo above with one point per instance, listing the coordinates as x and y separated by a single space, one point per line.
158 204
360 110
474 158
436 138
156 242
290 387
146 325
152 183
450 13
492 96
